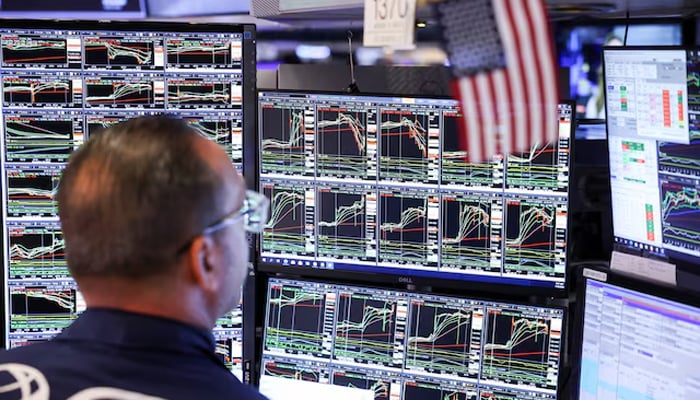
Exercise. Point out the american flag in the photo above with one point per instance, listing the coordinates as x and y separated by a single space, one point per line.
501 52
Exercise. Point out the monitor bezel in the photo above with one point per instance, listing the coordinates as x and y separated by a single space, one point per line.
479 296
688 263
604 274
455 282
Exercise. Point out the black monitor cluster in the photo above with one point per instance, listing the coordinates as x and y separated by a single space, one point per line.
61 83
406 345
379 184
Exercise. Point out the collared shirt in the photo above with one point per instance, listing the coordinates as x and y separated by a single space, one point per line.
111 354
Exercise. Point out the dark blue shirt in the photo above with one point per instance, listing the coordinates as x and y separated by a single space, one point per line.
105 354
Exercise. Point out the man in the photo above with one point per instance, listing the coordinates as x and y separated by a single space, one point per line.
154 219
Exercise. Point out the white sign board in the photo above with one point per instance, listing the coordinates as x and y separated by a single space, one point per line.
389 23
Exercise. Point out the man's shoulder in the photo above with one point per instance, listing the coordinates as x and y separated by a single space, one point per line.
69 368
33 352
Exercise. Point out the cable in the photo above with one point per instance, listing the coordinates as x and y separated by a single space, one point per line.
352 87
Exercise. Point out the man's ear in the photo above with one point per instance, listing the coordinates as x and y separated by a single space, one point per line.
200 257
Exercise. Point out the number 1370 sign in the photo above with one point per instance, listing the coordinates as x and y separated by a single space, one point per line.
389 23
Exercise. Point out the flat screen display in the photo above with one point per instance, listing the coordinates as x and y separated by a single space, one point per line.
62 82
639 340
379 185
346 341
653 130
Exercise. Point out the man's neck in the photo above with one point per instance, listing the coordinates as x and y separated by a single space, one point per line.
150 299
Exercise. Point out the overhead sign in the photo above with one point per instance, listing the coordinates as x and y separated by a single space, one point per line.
389 23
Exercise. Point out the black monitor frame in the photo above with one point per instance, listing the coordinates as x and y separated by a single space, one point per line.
262 287
248 81
476 283
685 262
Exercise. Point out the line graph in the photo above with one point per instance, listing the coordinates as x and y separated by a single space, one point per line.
118 52
365 329
516 348
440 339
197 93
285 231
218 131
404 146
530 237
534 169
36 250
282 138
342 224
295 321
292 370
23 50
466 234
403 229
680 214
680 158
96 123
455 169
424 389
118 92
342 142
41 307
510 394
197 51
224 350
30 191
381 386
31 138
36 90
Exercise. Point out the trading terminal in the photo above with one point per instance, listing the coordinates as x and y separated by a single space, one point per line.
390 267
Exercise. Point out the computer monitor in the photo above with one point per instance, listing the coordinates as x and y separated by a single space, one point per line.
654 149
344 340
63 81
637 339
377 187
74 9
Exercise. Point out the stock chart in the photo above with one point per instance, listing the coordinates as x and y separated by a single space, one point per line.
405 144
680 213
118 52
63 83
386 188
471 232
296 321
520 348
345 228
366 329
283 141
344 143
31 190
442 339
405 229
408 345
285 231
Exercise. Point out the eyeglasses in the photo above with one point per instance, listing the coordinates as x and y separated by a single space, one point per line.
254 213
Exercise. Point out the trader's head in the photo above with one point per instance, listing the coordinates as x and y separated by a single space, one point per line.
154 218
